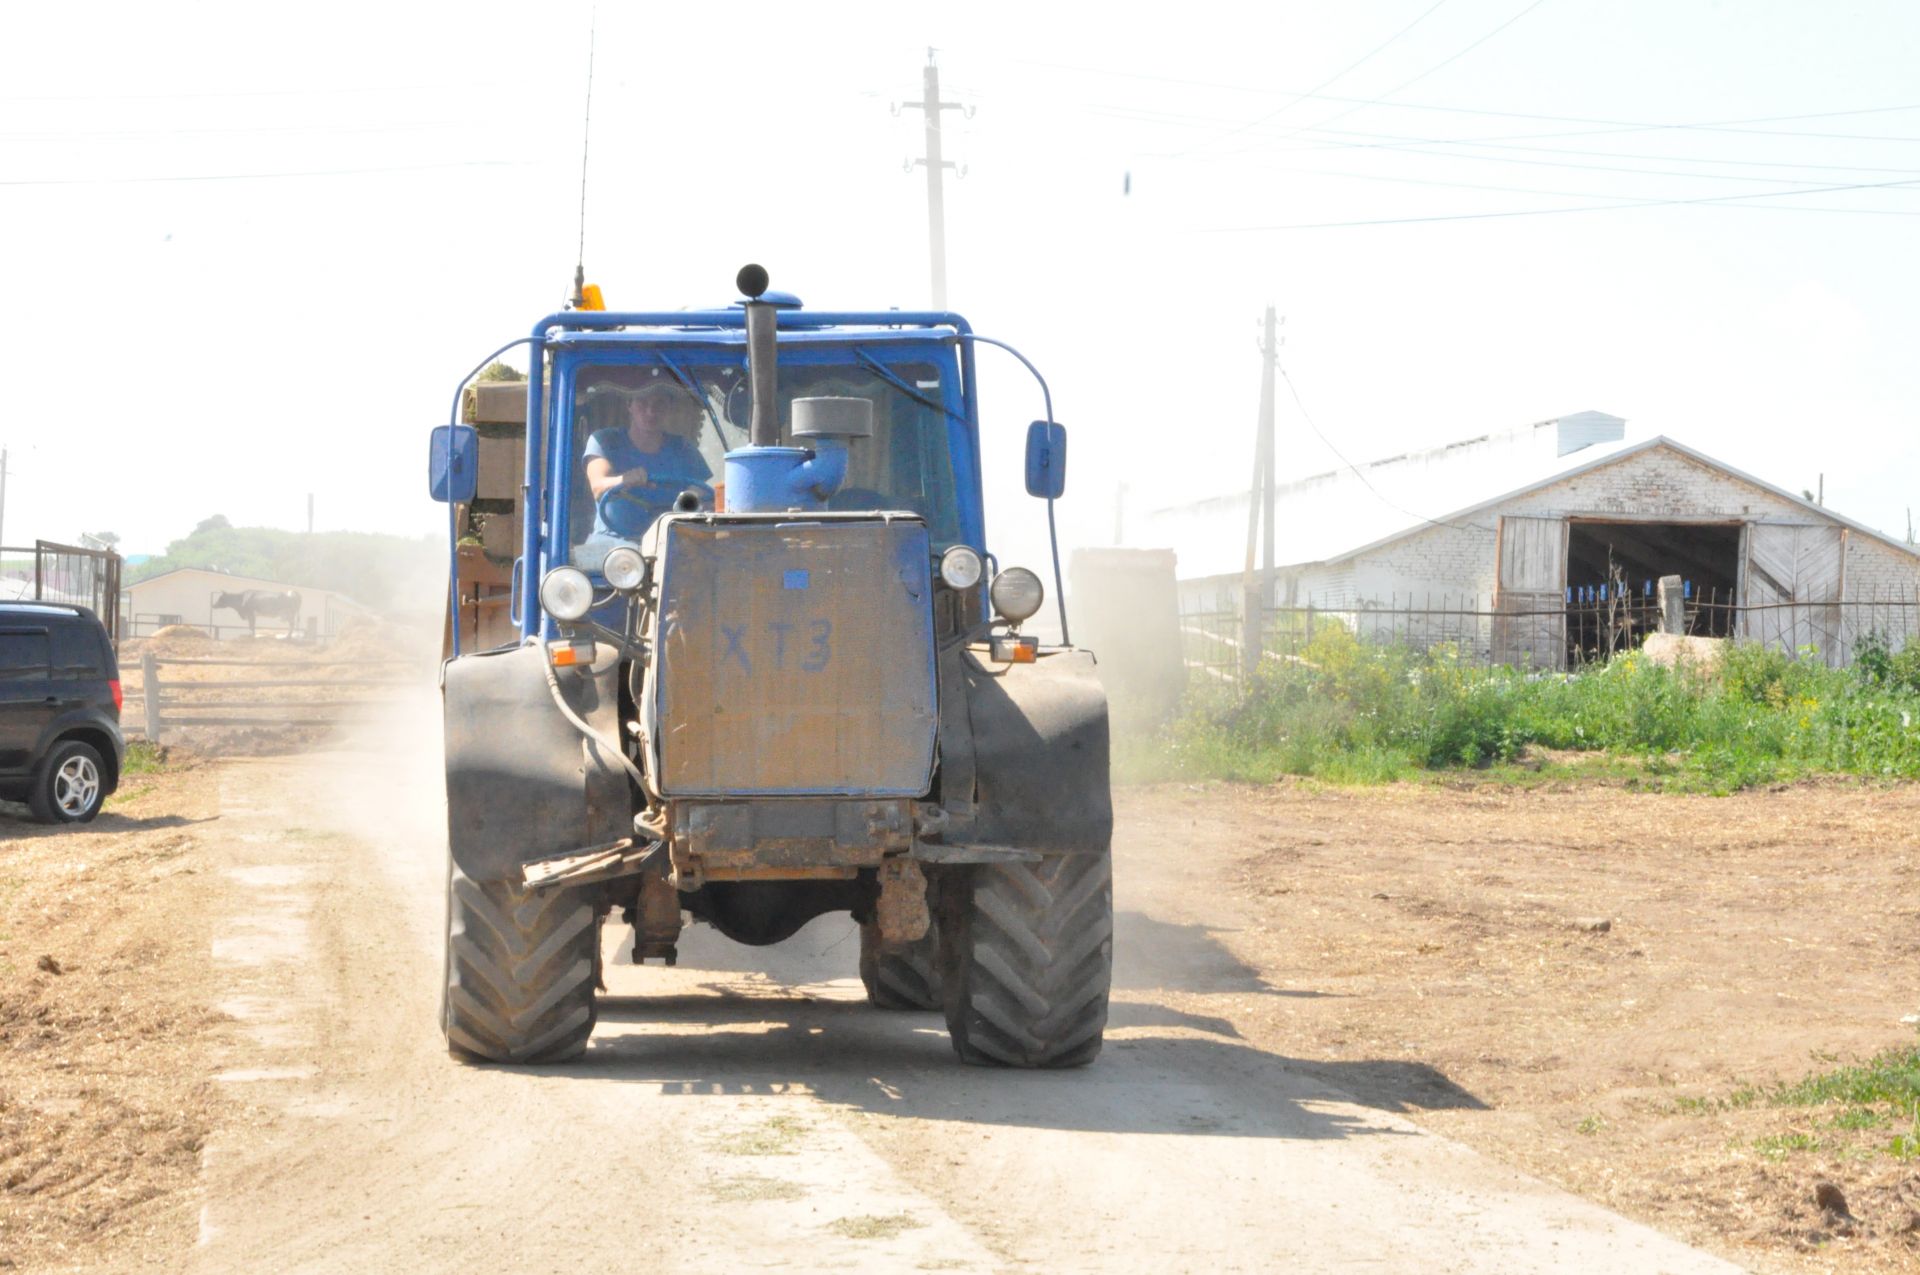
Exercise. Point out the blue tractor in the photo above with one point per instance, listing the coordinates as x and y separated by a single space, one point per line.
761 666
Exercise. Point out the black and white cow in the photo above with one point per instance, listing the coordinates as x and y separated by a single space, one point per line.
254 603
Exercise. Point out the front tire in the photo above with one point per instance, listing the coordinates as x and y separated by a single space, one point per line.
520 971
1027 960
70 785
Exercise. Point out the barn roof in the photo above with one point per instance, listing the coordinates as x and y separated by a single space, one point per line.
1334 517
226 578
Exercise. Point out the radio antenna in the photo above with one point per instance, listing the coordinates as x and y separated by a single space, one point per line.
586 137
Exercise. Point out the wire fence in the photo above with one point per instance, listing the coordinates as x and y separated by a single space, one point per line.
1590 626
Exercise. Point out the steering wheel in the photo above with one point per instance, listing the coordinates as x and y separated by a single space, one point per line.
629 509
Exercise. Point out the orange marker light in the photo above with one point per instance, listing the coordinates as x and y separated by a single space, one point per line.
570 655
590 298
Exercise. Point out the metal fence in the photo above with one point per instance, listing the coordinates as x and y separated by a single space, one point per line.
1591 627
68 573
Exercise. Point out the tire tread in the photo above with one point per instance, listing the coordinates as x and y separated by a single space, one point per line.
1030 963
520 971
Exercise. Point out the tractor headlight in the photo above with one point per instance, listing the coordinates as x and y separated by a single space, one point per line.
566 593
960 567
624 568
1016 593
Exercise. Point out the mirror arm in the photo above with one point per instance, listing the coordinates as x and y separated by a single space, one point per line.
1053 536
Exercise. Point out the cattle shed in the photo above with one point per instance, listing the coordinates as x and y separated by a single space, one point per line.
1511 545
186 595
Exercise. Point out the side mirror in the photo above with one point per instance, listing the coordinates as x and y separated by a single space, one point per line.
1046 459
453 463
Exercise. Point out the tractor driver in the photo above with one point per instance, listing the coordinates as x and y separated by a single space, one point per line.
651 449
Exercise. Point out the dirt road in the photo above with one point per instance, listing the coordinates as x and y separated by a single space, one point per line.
733 1114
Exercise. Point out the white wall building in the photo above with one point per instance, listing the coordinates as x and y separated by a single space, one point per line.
1525 524
186 595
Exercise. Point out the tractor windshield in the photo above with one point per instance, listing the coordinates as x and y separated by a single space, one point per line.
643 433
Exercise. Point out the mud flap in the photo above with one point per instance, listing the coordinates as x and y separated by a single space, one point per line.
1038 743
522 782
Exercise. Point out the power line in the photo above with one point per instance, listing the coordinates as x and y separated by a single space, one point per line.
1441 65
1416 146
1412 145
235 177
1342 73
1547 212
1625 126
1307 416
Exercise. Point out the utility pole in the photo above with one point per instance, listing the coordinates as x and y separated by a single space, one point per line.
1257 595
3 495
936 166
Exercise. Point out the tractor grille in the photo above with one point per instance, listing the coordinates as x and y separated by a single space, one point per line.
794 657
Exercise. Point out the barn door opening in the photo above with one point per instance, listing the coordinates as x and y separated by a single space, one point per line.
1529 625
1796 577
1613 572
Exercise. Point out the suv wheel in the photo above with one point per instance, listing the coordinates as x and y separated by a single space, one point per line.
69 786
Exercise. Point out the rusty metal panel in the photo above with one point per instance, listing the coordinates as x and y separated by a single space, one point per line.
794 658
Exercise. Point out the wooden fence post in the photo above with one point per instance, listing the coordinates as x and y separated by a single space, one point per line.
1673 605
150 694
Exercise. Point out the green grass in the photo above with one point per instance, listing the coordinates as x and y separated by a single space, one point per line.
1890 1079
1780 1145
143 758
1882 1092
1349 712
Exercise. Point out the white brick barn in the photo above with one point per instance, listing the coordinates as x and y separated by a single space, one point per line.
1507 543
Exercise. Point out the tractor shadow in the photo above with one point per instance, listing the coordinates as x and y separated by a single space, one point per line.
793 1019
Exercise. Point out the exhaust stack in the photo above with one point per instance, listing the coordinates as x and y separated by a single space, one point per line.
764 476
762 360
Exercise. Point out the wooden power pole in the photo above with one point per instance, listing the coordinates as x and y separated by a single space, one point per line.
936 165
1256 592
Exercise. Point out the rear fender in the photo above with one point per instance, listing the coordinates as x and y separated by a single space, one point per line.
522 782
1039 761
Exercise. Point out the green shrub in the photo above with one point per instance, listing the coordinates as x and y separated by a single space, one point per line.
1350 711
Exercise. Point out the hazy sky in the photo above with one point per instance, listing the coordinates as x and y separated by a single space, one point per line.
249 249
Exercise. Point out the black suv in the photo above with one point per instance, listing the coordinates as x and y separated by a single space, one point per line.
60 741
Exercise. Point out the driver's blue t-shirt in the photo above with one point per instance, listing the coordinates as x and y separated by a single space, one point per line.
677 462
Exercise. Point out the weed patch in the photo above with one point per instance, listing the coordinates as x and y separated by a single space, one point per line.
752 1187
778 1136
1350 712
874 1226
143 758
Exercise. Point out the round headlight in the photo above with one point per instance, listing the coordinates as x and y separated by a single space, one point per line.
960 567
1016 593
566 593
625 568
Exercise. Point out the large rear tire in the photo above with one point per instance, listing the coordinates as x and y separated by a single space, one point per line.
1027 960
521 969
906 978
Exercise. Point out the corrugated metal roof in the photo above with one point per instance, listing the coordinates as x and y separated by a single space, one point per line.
1328 518
1331 514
